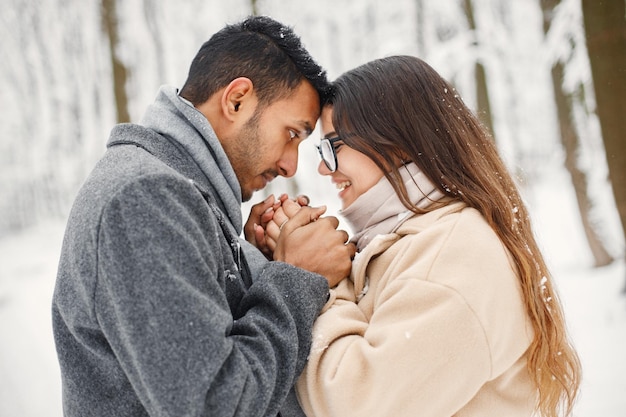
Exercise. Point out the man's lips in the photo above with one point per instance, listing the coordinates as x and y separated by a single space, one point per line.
267 178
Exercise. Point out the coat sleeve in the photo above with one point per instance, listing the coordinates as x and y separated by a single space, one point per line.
422 352
162 307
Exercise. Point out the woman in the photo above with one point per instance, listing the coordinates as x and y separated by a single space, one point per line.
450 308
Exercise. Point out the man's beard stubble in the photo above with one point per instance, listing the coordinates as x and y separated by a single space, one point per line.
246 152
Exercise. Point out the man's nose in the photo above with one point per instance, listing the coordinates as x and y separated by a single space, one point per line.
288 163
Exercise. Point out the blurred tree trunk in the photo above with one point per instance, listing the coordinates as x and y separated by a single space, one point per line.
255 10
483 105
571 144
151 13
120 72
605 32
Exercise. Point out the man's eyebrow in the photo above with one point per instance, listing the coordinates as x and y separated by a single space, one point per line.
307 127
330 135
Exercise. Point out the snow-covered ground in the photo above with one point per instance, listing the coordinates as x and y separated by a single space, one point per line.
29 375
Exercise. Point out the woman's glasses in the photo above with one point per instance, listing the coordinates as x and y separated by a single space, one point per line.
328 152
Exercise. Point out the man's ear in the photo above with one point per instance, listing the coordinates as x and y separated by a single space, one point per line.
238 98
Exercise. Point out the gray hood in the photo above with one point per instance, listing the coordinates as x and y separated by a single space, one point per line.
175 118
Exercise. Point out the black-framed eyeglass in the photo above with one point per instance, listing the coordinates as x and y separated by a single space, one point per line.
328 152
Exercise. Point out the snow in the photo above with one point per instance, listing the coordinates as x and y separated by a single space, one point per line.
594 305
59 66
30 383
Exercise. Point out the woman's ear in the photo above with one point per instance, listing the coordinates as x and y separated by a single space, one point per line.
238 98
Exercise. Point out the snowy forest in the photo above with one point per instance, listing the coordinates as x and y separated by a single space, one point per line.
72 69
547 77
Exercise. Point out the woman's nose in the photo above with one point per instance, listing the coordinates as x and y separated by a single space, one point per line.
323 169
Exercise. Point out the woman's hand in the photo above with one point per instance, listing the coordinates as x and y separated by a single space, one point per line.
260 215
282 214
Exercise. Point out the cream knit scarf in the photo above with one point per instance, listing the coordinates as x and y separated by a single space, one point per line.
380 211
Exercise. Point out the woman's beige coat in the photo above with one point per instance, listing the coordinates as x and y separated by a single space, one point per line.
439 328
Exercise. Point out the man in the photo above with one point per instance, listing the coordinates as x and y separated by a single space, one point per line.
159 307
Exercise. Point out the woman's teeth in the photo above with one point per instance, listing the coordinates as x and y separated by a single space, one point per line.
342 185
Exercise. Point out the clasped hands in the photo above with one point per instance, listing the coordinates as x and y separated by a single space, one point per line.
293 232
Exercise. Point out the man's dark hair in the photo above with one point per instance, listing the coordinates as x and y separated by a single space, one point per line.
267 52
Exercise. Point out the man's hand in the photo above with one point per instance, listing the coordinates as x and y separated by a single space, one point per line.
254 229
312 242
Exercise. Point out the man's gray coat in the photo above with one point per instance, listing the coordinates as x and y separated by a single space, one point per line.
160 308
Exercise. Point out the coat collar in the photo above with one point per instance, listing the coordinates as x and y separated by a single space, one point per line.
182 138
381 243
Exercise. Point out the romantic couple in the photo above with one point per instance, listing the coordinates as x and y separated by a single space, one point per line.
440 304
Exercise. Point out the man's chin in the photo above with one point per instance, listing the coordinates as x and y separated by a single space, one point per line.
259 184
246 195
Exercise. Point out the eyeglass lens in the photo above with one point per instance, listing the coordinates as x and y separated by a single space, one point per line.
327 152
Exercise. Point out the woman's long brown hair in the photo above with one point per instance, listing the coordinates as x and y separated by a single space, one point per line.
400 109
